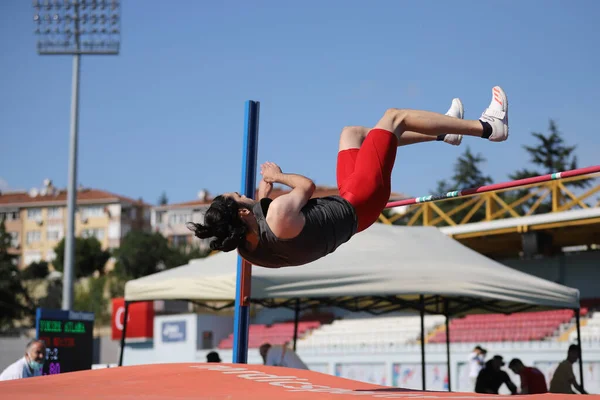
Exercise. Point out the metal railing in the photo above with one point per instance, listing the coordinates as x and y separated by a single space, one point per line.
550 193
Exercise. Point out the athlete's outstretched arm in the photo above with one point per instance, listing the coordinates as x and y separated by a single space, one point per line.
284 216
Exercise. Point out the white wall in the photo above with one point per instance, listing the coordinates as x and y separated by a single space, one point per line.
177 338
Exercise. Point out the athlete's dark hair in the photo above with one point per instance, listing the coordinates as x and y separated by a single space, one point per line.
222 222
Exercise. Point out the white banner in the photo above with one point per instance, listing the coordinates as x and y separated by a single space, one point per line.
409 376
322 368
363 372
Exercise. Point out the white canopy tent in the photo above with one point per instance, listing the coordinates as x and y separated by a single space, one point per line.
384 269
384 261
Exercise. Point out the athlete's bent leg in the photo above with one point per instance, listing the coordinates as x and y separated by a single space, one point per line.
365 164
352 137
492 125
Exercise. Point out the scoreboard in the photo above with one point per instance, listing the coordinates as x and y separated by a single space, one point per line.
69 338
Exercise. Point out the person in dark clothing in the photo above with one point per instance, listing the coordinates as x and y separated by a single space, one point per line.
491 377
213 357
296 229
533 380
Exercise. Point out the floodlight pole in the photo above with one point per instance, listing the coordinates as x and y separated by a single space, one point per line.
71 45
68 271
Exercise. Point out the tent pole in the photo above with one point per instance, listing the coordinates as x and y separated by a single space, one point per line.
422 307
578 320
124 333
296 321
446 314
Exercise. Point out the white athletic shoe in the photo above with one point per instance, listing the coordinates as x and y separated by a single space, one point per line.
497 115
456 110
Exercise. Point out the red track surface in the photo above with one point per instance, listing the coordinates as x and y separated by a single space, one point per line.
215 382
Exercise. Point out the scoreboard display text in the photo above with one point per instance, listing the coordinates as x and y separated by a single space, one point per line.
69 338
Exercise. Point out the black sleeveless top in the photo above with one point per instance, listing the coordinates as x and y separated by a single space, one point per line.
330 222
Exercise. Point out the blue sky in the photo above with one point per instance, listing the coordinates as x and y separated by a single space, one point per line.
168 112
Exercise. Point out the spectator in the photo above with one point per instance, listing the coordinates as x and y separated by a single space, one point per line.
491 377
564 379
280 356
29 365
533 380
476 362
213 357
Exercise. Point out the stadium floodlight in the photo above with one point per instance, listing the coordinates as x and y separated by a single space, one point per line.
75 27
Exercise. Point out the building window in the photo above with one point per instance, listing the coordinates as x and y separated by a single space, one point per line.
34 237
14 239
54 233
160 216
177 219
55 212
34 213
92 211
114 230
98 233
179 240
125 229
9 216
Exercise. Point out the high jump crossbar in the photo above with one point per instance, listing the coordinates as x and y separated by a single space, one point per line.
496 186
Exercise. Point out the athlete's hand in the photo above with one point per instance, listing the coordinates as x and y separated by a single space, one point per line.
270 171
264 189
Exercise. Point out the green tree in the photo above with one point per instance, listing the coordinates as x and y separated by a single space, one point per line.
144 253
141 254
89 256
550 154
163 199
116 283
53 298
35 270
15 302
182 255
89 296
467 173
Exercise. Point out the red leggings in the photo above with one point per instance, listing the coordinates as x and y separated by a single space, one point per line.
364 176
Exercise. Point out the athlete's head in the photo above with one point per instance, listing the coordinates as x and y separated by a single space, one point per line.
226 221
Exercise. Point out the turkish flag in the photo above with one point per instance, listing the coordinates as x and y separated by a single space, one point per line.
140 320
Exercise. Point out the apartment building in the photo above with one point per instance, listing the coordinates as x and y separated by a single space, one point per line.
170 220
37 219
